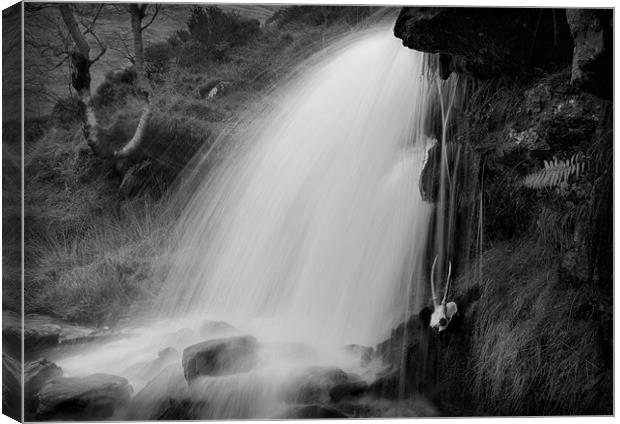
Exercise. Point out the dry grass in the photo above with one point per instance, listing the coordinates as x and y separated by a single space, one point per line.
96 273
538 347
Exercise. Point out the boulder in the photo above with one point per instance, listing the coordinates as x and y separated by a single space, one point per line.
210 328
313 384
36 374
386 386
182 337
348 390
314 412
176 410
94 397
365 353
224 356
11 334
168 354
166 395
41 332
146 370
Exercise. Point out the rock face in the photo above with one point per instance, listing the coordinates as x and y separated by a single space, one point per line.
487 42
97 396
592 69
220 357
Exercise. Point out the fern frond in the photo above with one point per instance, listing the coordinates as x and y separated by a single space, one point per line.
556 172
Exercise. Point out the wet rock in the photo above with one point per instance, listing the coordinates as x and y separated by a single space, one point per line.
592 68
42 332
314 412
386 386
486 42
412 406
176 410
147 369
210 328
348 390
36 374
166 395
182 337
220 357
294 351
168 354
11 387
365 353
11 334
313 384
95 397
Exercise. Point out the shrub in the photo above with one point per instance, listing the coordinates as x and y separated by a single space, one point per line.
191 54
157 58
179 37
217 30
321 15
115 88
66 112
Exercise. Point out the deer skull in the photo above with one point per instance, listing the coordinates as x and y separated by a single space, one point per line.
442 312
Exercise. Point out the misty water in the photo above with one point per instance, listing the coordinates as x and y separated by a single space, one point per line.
308 236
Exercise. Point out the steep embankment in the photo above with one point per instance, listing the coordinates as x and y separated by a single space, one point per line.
534 331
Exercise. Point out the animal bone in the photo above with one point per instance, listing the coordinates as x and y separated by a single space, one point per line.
442 311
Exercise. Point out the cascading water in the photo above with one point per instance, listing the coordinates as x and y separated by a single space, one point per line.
307 236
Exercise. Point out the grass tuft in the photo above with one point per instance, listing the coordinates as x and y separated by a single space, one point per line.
538 347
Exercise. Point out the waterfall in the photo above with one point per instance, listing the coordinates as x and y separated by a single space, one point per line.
309 234
314 225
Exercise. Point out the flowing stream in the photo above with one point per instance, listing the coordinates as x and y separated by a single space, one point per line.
309 236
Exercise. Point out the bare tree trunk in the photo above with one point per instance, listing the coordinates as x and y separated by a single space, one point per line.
80 77
138 12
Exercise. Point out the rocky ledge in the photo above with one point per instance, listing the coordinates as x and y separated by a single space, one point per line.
491 42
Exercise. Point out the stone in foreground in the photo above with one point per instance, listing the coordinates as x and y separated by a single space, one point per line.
231 355
36 375
313 384
95 397
314 412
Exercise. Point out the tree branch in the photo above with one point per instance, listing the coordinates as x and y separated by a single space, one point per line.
74 31
101 46
157 9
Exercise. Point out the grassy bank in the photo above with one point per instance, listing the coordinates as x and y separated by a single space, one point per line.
534 345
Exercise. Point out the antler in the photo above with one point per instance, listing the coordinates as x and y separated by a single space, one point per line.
433 282
445 294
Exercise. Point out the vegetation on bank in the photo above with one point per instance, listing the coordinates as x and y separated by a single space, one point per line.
534 288
95 229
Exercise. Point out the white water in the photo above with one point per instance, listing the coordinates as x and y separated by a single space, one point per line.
308 236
